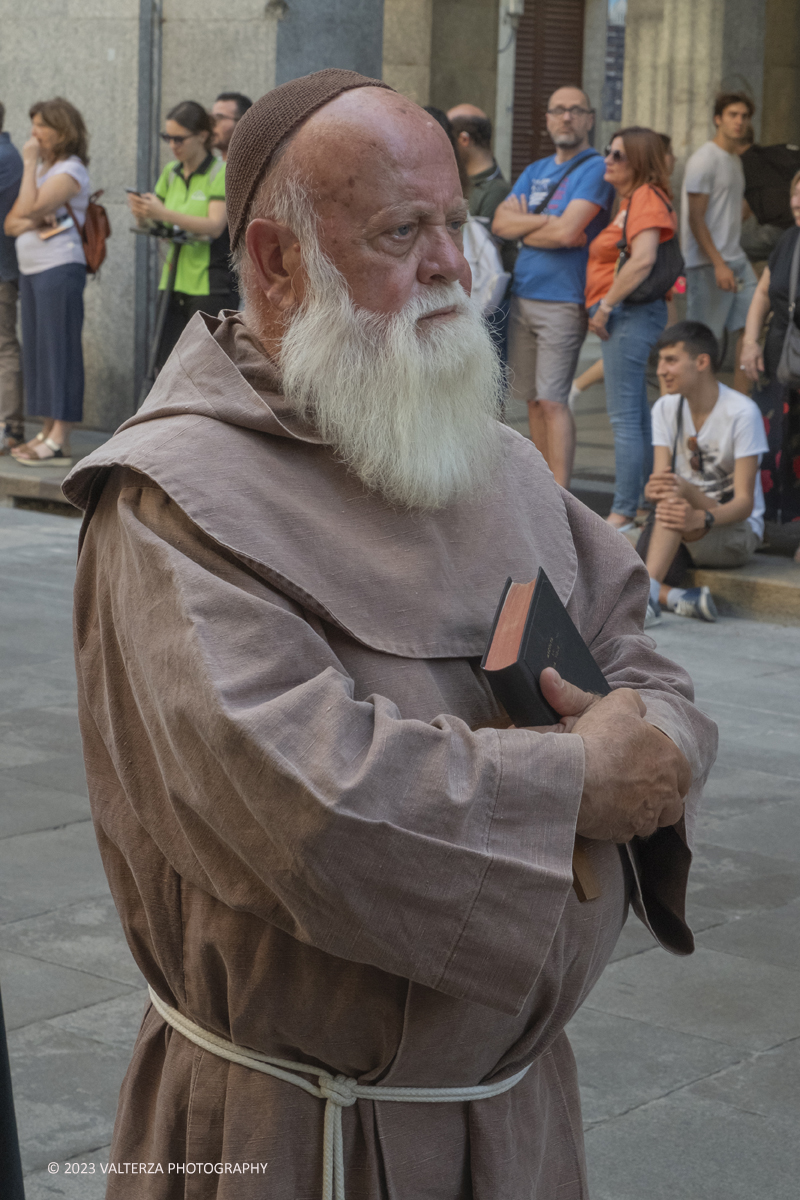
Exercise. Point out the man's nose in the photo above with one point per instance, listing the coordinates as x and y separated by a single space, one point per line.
443 261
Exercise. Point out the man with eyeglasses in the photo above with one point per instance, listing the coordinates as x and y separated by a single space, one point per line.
227 111
556 207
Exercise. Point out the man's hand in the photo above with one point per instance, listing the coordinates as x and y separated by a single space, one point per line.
726 280
677 514
662 485
635 777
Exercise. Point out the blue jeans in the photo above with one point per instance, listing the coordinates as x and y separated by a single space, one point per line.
633 331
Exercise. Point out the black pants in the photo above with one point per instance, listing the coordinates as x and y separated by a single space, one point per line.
180 312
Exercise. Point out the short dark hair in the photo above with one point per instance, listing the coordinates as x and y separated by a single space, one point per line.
242 102
726 99
697 339
478 128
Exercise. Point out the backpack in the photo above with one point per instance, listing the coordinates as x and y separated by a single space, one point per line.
95 232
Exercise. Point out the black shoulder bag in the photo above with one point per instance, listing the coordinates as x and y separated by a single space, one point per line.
665 270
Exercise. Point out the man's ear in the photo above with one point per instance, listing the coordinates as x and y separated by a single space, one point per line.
703 363
463 139
275 254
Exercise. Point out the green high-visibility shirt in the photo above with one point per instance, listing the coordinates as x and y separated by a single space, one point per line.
203 267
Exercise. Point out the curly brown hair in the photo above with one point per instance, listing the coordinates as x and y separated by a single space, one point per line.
68 123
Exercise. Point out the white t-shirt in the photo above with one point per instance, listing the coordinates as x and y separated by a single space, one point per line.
34 255
733 429
715 173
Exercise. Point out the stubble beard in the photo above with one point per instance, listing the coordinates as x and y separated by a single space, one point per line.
566 141
412 411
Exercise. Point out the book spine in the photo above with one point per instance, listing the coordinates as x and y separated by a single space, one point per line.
519 695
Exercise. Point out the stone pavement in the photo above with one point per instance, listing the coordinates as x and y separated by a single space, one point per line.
689 1066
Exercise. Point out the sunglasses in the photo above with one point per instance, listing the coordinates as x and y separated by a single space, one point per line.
696 460
176 141
616 155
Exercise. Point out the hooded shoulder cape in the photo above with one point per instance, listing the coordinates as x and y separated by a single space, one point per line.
217 436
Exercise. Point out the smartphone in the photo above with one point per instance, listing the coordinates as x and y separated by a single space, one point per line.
62 226
133 191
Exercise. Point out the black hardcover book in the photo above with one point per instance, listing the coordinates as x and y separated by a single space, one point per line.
532 630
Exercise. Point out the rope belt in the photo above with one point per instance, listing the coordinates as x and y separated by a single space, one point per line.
337 1091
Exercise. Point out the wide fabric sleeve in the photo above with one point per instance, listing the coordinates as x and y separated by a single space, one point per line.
426 849
609 604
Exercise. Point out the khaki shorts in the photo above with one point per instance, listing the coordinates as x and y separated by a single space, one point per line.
544 341
724 546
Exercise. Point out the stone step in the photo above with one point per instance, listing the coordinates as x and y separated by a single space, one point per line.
767 589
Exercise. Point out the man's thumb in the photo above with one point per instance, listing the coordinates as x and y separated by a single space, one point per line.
565 698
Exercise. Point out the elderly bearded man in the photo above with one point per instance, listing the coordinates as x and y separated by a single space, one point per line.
333 859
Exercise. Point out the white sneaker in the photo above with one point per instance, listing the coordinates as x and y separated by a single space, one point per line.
653 615
696 602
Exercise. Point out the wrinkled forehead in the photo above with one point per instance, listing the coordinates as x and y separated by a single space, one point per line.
370 149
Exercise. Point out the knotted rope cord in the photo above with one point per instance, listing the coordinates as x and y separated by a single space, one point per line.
338 1091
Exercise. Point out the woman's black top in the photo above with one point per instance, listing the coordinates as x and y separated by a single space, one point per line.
780 263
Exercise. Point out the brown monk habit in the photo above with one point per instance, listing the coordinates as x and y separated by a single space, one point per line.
318 845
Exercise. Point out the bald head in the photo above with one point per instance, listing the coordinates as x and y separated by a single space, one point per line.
359 139
466 110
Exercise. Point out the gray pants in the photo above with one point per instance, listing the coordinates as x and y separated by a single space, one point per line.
10 372
724 546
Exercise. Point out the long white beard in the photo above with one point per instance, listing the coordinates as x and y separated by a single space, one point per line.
412 411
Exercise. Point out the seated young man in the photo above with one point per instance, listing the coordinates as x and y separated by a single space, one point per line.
707 447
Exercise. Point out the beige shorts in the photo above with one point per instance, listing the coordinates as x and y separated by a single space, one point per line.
544 341
724 546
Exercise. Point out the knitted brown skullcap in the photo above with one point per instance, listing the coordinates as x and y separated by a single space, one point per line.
264 126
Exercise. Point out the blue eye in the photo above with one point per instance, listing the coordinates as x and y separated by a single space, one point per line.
403 230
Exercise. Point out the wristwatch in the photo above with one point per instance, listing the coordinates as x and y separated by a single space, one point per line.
709 519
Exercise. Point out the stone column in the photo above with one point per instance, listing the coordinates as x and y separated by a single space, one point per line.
780 121
679 54
407 29
313 34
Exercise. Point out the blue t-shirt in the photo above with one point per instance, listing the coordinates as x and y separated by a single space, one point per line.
560 274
